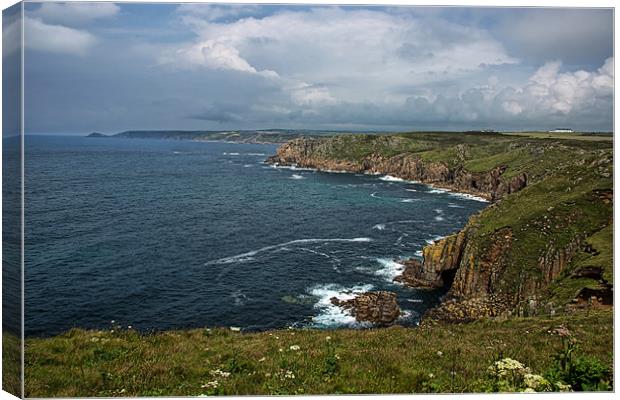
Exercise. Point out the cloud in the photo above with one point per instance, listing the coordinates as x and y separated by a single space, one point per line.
575 36
323 55
74 13
215 12
56 38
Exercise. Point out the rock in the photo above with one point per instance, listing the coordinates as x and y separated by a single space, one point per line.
379 308
317 153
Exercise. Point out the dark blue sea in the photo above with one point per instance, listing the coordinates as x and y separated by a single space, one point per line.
161 234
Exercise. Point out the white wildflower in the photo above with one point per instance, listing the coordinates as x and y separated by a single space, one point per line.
431 375
94 339
294 347
439 353
219 372
211 385
262 359
328 338
289 375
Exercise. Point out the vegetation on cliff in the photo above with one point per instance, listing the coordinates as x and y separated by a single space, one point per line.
435 357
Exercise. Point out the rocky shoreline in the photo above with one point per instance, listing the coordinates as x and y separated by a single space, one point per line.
490 269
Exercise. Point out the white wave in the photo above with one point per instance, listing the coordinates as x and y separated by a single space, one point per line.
230 154
439 218
390 269
331 315
411 190
297 176
335 171
390 178
437 191
177 152
452 205
256 154
293 167
438 210
434 239
379 227
374 194
247 165
372 173
469 197
409 200
419 253
248 256
415 300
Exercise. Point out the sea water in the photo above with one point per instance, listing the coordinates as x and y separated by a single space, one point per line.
162 234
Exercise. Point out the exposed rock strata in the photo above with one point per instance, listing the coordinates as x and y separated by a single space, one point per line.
379 308
306 153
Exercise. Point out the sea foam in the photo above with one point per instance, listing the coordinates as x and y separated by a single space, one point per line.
331 315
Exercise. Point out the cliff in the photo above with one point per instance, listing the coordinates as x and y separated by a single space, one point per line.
523 254
307 153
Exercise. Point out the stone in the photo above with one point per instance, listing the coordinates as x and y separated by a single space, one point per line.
379 308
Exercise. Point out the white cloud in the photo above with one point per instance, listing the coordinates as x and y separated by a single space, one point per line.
214 12
324 55
56 38
74 13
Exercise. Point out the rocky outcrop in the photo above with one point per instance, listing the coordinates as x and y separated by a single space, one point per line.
311 153
379 308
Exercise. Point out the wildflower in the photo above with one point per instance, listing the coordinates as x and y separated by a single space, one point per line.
94 339
277 337
439 353
529 390
235 329
129 327
328 338
219 372
280 350
431 375
536 382
111 330
337 356
289 375
294 347
262 359
267 374
211 385
563 387
112 322
562 331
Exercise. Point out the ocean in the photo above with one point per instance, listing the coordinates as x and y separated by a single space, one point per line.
164 234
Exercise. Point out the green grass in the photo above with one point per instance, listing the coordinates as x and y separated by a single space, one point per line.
11 363
431 358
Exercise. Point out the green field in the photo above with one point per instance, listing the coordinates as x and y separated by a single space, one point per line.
432 358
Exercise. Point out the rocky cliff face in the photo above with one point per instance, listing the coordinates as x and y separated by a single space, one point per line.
491 268
309 153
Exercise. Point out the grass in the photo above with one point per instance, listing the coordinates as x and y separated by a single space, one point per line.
431 358
11 363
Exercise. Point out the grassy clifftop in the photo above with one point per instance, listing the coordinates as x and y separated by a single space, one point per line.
432 358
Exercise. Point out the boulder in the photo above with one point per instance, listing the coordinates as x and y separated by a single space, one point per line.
379 308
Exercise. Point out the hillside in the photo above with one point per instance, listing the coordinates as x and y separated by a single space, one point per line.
544 243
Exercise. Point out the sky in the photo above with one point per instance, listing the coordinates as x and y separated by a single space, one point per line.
109 67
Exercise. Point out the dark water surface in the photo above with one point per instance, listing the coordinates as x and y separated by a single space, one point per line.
171 234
